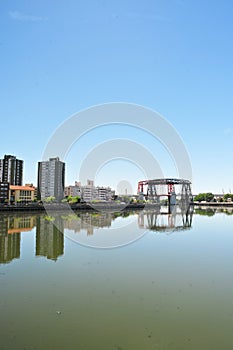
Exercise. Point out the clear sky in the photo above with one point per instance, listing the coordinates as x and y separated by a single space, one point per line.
173 56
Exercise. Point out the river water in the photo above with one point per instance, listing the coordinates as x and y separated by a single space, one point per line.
117 281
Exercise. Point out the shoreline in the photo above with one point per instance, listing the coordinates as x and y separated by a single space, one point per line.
97 206
62 207
213 204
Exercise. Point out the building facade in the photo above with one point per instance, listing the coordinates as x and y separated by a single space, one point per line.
105 193
23 194
11 170
4 192
51 179
73 191
1 169
89 192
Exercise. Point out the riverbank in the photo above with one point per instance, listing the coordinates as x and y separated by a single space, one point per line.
39 207
213 204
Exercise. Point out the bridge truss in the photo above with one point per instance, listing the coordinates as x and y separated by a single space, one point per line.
153 190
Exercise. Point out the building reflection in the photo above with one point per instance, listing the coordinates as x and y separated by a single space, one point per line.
9 247
10 235
176 219
49 237
88 221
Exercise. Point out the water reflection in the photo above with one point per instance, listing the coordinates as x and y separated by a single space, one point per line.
160 220
9 247
207 211
49 237
89 221
164 292
50 229
10 235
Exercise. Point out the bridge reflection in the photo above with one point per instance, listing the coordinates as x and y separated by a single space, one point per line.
175 219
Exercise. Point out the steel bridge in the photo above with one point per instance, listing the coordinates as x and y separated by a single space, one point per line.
153 190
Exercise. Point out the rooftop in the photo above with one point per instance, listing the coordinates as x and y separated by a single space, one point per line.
23 188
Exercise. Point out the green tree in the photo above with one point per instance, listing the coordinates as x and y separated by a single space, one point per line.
226 196
50 199
207 197
72 200
77 199
200 197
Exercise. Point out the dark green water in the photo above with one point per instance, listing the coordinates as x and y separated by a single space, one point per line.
170 288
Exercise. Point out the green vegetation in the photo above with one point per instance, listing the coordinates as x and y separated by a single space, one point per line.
50 199
228 212
206 197
228 196
209 197
125 214
141 201
71 200
117 214
49 218
205 212
70 217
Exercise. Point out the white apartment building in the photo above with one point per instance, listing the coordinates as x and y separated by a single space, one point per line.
89 192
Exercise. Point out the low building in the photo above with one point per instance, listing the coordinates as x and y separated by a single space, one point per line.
73 191
89 192
105 193
22 194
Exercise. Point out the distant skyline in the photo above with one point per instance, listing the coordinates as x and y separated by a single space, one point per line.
174 56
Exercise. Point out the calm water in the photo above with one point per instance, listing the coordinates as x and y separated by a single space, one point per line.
170 288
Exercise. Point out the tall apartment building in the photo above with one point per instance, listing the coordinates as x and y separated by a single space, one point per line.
11 170
51 179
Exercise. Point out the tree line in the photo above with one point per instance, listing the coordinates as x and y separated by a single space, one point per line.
209 197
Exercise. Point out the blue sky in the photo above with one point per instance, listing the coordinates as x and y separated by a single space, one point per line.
173 56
